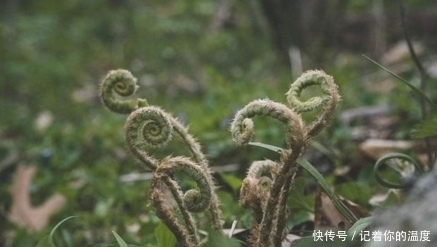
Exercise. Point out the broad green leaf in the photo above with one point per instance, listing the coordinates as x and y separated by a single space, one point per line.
119 240
231 180
299 217
356 192
413 88
304 242
427 127
164 236
298 200
44 242
216 239
359 226
310 242
392 199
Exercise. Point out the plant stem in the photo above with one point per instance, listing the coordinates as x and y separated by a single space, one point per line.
423 76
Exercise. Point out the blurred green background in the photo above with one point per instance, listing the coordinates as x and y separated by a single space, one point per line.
201 60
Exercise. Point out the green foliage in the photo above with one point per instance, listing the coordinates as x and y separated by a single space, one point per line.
232 181
44 242
404 166
359 226
47 241
426 128
356 192
119 240
218 240
298 199
417 91
183 65
164 236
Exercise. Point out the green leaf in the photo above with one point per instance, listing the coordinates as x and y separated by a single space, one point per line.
120 241
415 89
50 240
299 217
231 180
164 236
47 241
298 200
309 242
427 127
325 187
392 199
359 226
267 146
216 239
44 242
356 192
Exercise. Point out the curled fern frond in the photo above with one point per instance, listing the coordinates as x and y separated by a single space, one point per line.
194 200
242 127
151 127
147 127
328 102
116 86
255 190
269 227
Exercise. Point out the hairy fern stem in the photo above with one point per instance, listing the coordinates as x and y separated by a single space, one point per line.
269 224
151 127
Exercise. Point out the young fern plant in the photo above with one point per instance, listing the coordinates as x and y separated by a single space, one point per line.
150 126
267 186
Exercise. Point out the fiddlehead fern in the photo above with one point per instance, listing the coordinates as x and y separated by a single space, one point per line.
147 127
328 102
269 230
242 127
256 186
191 201
117 85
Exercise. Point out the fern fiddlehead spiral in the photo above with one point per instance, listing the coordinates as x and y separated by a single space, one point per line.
116 86
269 229
150 127
328 102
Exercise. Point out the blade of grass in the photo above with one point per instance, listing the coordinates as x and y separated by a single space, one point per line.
266 146
50 240
120 241
415 89
360 225
325 187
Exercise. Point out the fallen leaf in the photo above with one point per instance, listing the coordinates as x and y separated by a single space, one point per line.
22 212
